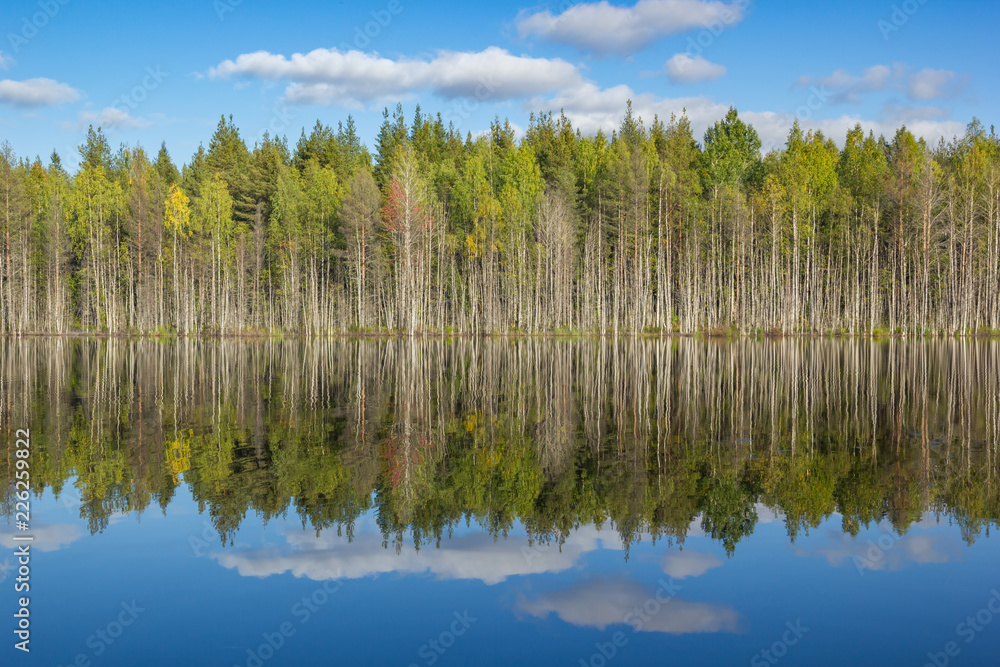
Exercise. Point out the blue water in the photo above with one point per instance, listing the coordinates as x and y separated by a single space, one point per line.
827 599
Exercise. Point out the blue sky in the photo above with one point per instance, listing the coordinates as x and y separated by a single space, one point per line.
149 72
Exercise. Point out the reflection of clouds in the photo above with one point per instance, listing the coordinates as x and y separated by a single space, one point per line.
764 515
50 537
695 529
927 549
599 603
767 515
928 520
475 556
684 564
885 551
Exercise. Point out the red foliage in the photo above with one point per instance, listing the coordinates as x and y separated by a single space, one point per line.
400 207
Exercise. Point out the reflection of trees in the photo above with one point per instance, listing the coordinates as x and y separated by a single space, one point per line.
647 435
728 512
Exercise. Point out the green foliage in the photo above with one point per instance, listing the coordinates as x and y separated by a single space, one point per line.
639 230
435 434
732 153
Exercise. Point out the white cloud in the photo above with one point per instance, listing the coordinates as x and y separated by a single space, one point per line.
843 87
5 61
605 28
46 538
36 93
934 84
682 68
906 115
927 84
356 79
599 603
111 118
684 564
773 128
351 78
475 556
592 108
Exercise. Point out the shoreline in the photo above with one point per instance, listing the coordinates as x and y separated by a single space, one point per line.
504 336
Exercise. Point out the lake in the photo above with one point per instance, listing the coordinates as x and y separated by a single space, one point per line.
505 502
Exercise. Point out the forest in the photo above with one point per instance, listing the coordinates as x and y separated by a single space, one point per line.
645 231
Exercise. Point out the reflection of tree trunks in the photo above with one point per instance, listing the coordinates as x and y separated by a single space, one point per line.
261 425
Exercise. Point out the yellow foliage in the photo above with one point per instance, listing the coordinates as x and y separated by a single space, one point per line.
492 457
178 458
471 246
178 210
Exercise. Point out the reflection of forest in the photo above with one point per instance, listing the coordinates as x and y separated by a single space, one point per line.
646 435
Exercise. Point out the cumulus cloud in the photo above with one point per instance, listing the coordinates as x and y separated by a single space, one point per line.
39 92
603 28
592 108
842 87
475 556
845 87
934 84
111 118
47 538
907 115
682 68
601 602
773 127
684 564
352 78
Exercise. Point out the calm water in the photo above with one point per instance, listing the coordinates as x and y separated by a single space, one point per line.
506 503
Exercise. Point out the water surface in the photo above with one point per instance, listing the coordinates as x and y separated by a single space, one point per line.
530 502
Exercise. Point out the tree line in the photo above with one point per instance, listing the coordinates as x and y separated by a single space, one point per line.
647 230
